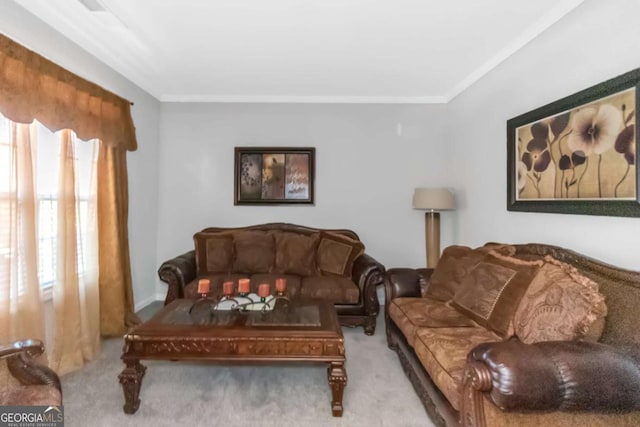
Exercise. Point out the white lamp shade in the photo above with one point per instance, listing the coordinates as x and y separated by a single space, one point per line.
437 199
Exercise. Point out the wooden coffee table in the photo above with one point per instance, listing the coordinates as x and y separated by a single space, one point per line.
304 331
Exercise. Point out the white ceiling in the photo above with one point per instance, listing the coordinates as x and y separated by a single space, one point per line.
363 51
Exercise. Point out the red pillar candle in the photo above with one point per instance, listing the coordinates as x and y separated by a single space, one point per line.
203 286
263 290
243 286
281 285
227 288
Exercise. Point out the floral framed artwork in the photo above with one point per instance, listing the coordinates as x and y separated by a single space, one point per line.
274 175
578 155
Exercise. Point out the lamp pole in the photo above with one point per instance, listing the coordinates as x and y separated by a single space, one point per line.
432 237
433 200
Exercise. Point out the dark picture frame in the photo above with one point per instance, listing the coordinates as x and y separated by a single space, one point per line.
274 175
578 155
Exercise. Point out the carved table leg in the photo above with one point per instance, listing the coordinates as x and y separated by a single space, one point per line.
131 380
337 381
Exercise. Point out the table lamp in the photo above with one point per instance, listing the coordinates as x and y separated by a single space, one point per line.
433 200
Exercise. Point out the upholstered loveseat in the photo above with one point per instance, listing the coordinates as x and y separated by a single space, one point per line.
522 335
316 263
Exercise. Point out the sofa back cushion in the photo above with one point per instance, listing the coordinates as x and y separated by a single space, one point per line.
492 290
254 252
455 263
336 254
560 305
214 252
296 253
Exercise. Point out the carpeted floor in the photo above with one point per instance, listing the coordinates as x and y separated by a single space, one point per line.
200 394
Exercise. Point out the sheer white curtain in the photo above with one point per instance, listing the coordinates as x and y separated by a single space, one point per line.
20 308
48 242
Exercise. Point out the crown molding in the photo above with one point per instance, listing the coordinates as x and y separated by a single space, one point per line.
310 99
530 33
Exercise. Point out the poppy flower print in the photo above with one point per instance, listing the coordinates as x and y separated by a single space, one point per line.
588 152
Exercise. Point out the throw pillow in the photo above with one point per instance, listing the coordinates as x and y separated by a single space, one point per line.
560 305
255 252
336 253
454 264
492 290
214 252
296 253
499 248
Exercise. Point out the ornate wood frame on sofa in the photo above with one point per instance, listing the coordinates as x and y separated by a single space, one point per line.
367 274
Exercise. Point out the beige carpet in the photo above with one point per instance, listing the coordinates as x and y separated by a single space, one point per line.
199 394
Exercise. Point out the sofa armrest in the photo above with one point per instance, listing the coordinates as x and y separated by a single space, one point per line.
177 272
549 376
368 273
406 282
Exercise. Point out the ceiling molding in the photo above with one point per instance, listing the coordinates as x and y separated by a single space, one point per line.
306 99
530 33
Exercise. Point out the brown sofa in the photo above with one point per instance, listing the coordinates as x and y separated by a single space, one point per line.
30 383
522 335
317 263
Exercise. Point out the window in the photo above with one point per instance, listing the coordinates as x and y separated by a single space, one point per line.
46 146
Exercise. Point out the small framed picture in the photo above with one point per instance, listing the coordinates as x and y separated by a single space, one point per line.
274 175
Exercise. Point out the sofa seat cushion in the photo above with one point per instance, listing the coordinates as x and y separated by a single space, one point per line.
443 354
215 284
412 313
338 290
293 283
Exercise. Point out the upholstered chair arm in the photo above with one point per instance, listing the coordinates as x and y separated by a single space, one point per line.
368 273
406 282
22 365
554 375
177 272
31 347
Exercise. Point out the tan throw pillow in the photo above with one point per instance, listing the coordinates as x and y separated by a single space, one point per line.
560 305
336 253
454 264
499 248
492 290
214 252
255 252
296 253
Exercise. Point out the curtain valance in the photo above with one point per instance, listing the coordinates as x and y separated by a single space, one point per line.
32 87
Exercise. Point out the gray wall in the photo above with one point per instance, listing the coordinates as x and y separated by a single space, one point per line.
597 41
365 172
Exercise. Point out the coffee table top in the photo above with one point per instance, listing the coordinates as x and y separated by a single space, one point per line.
298 317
